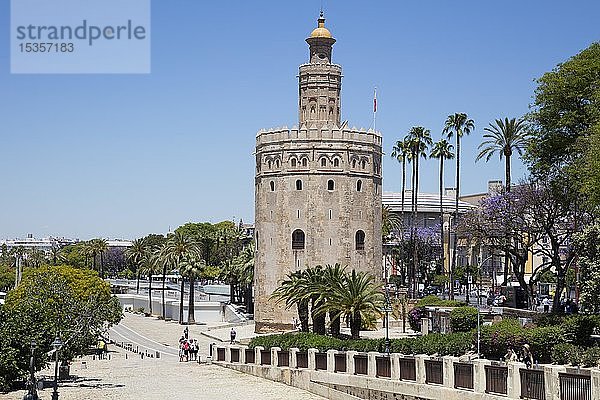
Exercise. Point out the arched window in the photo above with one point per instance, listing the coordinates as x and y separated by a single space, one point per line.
298 240
336 162
330 184
353 163
359 185
272 184
293 162
305 162
276 163
360 240
323 162
269 164
298 184
363 164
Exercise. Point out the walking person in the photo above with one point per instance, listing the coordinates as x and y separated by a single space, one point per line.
232 336
546 304
527 356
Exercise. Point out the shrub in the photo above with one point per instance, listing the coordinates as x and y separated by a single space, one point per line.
463 319
579 328
544 338
591 357
546 319
566 353
414 318
497 338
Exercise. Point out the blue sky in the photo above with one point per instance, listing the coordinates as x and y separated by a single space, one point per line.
126 155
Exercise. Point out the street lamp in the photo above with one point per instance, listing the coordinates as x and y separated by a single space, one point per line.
387 308
31 386
57 344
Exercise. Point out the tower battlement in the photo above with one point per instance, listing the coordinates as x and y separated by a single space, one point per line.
359 135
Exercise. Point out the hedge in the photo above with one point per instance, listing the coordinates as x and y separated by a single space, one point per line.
455 344
463 319
434 301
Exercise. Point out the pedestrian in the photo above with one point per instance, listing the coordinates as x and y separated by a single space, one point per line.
527 356
546 304
232 335
195 349
511 356
186 350
180 351
186 332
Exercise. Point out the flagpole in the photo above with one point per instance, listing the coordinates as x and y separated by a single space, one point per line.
375 109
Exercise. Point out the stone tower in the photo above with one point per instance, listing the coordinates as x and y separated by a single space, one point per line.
317 188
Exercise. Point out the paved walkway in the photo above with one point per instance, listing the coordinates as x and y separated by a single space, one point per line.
126 376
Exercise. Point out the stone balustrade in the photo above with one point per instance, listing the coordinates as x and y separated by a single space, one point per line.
350 374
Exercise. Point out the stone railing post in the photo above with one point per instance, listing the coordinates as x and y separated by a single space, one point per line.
479 379
228 354
293 357
395 366
552 381
372 363
424 326
448 370
275 356
513 385
595 377
331 360
312 362
242 354
350 362
258 355
420 367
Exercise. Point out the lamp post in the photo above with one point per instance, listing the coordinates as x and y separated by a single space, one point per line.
31 384
387 308
57 344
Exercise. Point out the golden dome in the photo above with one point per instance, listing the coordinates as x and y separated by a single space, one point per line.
320 31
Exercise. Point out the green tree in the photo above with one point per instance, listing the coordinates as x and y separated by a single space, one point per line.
191 267
177 248
292 292
50 301
505 138
457 125
442 150
137 255
358 299
401 152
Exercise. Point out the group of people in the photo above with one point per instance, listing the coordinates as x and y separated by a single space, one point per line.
525 357
188 348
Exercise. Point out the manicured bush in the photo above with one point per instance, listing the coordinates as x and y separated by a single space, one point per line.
463 319
436 301
497 338
543 338
548 319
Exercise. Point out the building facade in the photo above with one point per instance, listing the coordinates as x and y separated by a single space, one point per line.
317 188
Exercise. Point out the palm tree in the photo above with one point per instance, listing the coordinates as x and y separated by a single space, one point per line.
191 267
442 150
358 298
333 277
419 139
401 152
57 254
160 259
291 291
313 281
178 247
245 262
458 124
151 264
390 222
504 137
136 254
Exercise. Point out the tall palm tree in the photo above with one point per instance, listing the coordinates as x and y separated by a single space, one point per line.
459 125
442 150
401 152
151 264
160 259
334 278
191 266
136 255
178 247
505 138
97 247
57 254
359 298
313 280
390 221
419 139
245 262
